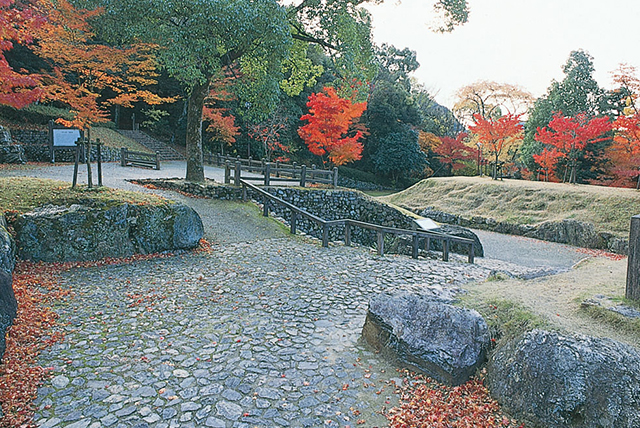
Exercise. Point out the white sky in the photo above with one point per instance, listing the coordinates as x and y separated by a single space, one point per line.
522 42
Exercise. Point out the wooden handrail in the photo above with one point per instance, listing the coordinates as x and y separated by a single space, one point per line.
349 223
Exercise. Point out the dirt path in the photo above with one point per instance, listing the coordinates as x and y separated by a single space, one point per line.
557 298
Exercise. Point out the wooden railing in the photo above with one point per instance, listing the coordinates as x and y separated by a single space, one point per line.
272 171
147 160
348 224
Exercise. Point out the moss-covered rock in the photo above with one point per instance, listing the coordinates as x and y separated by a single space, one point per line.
80 232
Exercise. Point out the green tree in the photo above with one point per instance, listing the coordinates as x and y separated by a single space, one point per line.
254 38
399 155
577 93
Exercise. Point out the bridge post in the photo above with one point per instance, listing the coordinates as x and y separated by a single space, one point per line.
445 250
303 175
414 246
325 235
380 243
267 173
236 174
347 234
294 221
335 177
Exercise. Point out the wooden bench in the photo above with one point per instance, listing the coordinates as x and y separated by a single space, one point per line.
142 159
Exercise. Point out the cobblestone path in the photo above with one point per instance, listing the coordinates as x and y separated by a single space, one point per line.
249 335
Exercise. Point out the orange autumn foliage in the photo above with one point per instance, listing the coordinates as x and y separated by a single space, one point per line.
329 120
498 135
18 22
624 152
84 70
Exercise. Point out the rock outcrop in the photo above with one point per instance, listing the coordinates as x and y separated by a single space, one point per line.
10 152
427 333
7 248
79 232
551 380
8 307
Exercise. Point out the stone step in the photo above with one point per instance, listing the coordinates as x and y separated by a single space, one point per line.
165 152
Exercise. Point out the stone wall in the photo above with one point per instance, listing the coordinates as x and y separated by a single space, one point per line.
330 204
35 146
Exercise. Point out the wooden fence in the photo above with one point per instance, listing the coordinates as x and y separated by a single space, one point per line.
348 224
272 171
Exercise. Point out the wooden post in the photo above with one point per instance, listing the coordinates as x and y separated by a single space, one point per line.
313 176
347 234
123 156
445 250
414 247
325 235
632 291
335 177
88 159
427 243
157 161
75 165
294 221
303 176
380 243
472 250
244 192
277 168
99 148
267 173
265 207
227 172
236 174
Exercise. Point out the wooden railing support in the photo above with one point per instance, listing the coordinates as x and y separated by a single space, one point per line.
294 222
267 174
445 250
325 235
236 174
303 176
347 234
414 246
380 243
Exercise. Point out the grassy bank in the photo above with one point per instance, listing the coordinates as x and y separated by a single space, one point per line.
524 202
23 194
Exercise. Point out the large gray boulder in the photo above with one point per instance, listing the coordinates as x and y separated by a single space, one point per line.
551 380
427 333
79 232
8 307
7 248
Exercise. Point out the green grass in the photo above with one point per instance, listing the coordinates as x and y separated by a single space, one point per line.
377 193
615 320
505 319
23 194
524 202
110 138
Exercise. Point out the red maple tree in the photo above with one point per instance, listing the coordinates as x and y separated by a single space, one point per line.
18 22
547 161
624 152
570 136
329 120
497 136
453 152
221 127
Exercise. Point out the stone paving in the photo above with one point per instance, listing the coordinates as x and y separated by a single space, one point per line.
248 335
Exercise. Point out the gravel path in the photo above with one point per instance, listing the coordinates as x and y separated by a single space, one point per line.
246 336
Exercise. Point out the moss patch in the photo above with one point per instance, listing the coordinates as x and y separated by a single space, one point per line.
23 194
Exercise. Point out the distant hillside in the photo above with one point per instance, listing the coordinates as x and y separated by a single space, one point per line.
524 202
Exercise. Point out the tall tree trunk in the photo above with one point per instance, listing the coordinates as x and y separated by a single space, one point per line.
195 161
